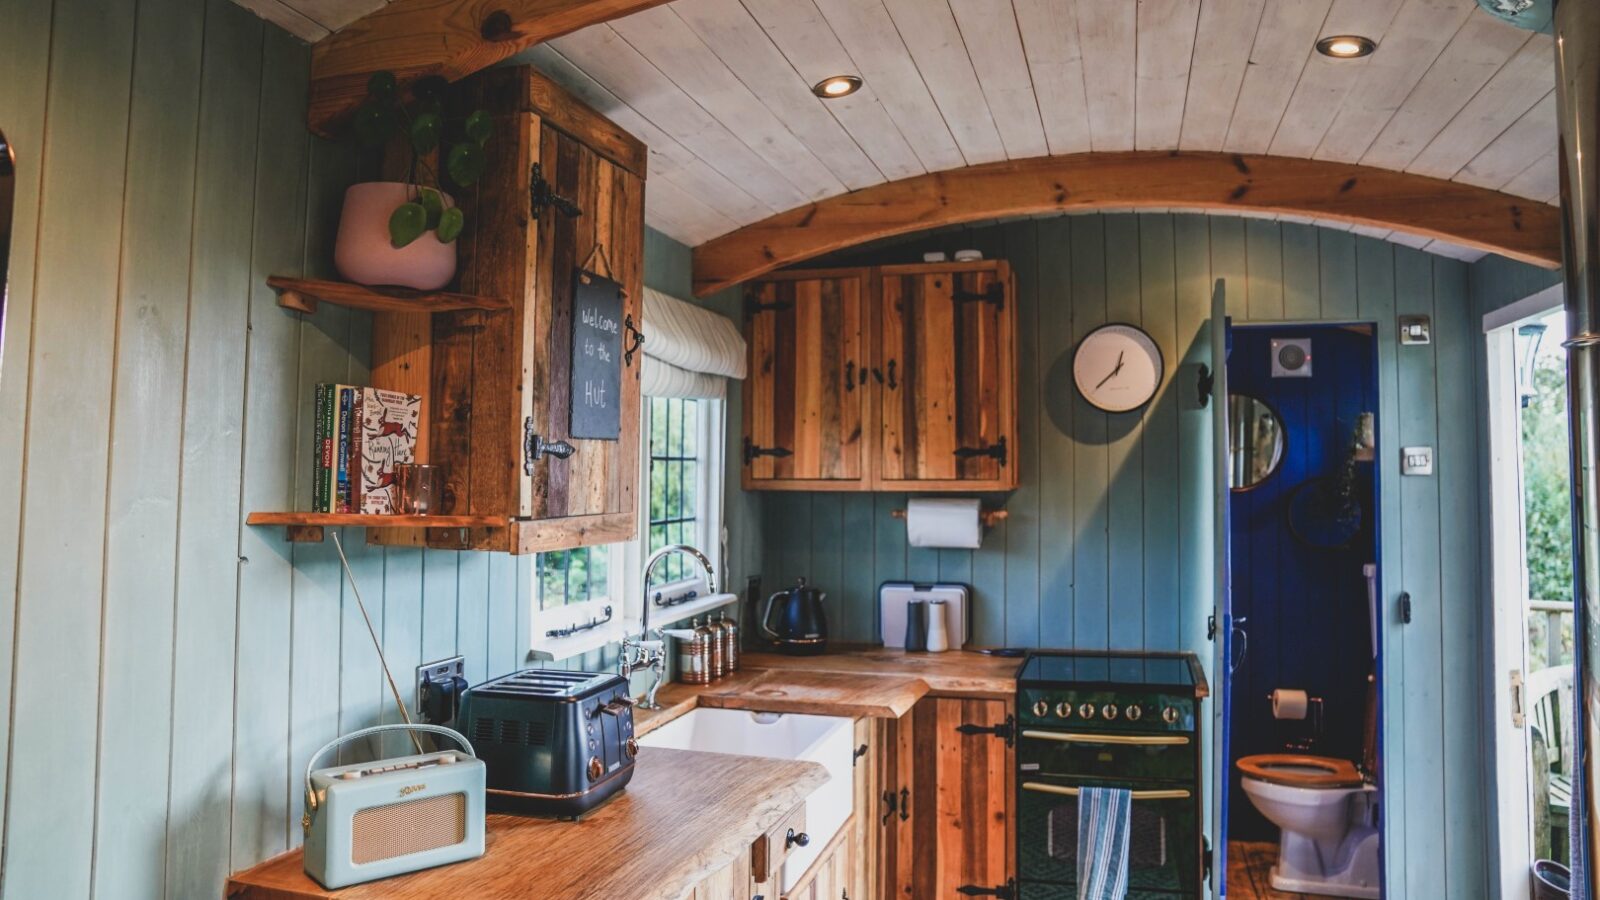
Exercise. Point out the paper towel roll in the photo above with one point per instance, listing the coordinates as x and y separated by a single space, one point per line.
950 522
1288 704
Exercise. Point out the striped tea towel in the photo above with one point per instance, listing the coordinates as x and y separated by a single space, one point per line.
1104 815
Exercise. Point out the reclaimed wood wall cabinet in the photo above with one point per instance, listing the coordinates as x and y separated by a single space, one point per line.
564 190
890 378
944 814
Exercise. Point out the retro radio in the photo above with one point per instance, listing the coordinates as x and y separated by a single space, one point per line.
376 819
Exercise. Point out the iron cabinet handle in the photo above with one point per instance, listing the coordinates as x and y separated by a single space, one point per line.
892 384
635 341
850 376
1405 607
1129 740
1005 730
905 804
796 839
1036 787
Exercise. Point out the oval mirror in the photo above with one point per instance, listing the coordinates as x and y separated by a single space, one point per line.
1255 435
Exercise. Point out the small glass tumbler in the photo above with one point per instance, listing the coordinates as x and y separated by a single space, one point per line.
419 489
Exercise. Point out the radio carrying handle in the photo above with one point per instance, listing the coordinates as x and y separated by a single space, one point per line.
452 734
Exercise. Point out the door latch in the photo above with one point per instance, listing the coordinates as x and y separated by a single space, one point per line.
1006 731
996 450
1405 607
535 447
541 196
1518 715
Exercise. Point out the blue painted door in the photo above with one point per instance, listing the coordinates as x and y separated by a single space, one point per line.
1222 611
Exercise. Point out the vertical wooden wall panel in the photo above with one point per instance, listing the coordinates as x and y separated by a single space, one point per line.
1060 411
1017 608
1091 434
59 578
1162 519
1125 454
146 427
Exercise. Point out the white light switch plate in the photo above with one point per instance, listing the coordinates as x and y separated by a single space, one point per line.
1416 460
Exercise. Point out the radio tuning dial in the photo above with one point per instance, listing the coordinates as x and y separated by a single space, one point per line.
1133 712
1041 708
1063 710
596 768
1086 711
1109 711
1169 715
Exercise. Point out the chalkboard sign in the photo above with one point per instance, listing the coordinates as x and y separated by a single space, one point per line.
596 358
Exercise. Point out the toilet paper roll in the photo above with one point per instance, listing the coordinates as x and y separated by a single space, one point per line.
1288 704
950 522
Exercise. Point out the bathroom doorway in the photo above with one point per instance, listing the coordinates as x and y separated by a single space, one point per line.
1303 532
1531 533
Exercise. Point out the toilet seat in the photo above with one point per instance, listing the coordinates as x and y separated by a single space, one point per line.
1290 769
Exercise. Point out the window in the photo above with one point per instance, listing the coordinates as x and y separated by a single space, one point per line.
675 475
573 576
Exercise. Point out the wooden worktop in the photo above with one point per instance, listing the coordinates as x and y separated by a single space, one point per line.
953 673
685 816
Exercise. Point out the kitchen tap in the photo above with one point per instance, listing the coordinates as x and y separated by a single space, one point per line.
647 652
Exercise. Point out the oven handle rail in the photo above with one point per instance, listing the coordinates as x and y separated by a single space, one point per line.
1135 740
1037 787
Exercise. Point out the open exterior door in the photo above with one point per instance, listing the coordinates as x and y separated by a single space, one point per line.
1222 611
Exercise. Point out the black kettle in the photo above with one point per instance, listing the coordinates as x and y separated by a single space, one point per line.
802 626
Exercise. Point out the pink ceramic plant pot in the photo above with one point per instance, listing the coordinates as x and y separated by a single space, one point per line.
363 253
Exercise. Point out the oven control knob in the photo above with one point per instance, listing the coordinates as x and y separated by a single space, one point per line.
1133 712
1086 711
1109 711
1170 715
1063 710
596 768
1041 708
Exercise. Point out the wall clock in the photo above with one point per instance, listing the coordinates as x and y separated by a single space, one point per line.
1117 368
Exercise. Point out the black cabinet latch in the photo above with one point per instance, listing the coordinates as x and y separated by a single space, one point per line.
856 754
754 306
535 447
541 196
995 295
752 451
996 450
1006 730
1007 891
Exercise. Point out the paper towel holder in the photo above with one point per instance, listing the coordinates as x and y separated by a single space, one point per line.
987 516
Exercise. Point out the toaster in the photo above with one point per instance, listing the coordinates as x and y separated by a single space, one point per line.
555 743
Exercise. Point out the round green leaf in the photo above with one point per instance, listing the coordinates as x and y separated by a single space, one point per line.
425 130
450 224
465 163
479 127
381 84
433 203
406 224
374 123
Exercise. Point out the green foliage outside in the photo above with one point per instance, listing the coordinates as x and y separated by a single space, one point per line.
1547 506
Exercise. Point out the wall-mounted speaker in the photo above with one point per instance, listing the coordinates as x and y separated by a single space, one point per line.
1291 357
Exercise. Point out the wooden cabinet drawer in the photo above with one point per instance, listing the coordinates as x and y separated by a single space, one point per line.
771 849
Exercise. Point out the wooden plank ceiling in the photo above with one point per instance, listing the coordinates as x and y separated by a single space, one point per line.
720 90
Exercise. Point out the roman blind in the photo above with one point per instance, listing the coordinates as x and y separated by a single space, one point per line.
689 351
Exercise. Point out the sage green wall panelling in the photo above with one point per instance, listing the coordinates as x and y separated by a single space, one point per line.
1106 544
171 668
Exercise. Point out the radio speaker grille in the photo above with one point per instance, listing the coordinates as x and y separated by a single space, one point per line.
411 826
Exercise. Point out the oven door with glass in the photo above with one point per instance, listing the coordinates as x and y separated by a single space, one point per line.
1163 839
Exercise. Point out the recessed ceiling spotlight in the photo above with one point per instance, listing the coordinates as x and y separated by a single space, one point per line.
836 86
1346 46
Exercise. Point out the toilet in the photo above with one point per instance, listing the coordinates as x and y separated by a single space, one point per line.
1328 816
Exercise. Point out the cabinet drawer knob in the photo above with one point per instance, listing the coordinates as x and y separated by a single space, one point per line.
796 839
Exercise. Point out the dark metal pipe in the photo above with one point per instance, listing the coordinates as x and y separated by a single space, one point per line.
1577 30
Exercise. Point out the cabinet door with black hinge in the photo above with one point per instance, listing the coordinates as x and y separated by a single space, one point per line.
805 398
945 351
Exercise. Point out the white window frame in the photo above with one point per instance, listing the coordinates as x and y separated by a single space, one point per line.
625 594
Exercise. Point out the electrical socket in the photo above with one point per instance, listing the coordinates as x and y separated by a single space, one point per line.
438 670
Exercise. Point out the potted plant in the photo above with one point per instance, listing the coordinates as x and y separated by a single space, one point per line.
403 232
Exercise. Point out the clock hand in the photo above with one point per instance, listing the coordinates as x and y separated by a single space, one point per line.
1113 372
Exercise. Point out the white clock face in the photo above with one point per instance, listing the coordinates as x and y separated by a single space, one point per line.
1117 368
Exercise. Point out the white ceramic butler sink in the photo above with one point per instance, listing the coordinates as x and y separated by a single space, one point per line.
820 739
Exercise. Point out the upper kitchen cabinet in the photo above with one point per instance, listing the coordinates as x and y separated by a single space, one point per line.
894 378
534 427
806 397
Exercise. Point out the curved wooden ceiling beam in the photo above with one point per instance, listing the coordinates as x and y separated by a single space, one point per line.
1474 217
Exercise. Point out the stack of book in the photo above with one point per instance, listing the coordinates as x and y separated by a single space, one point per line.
361 433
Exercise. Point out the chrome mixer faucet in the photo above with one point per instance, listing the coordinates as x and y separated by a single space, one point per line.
650 652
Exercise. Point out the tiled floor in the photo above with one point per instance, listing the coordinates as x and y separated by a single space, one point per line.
1249 863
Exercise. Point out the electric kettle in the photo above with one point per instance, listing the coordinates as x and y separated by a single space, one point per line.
802 625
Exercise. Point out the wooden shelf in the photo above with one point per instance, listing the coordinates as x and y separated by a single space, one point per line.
306 527
303 295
